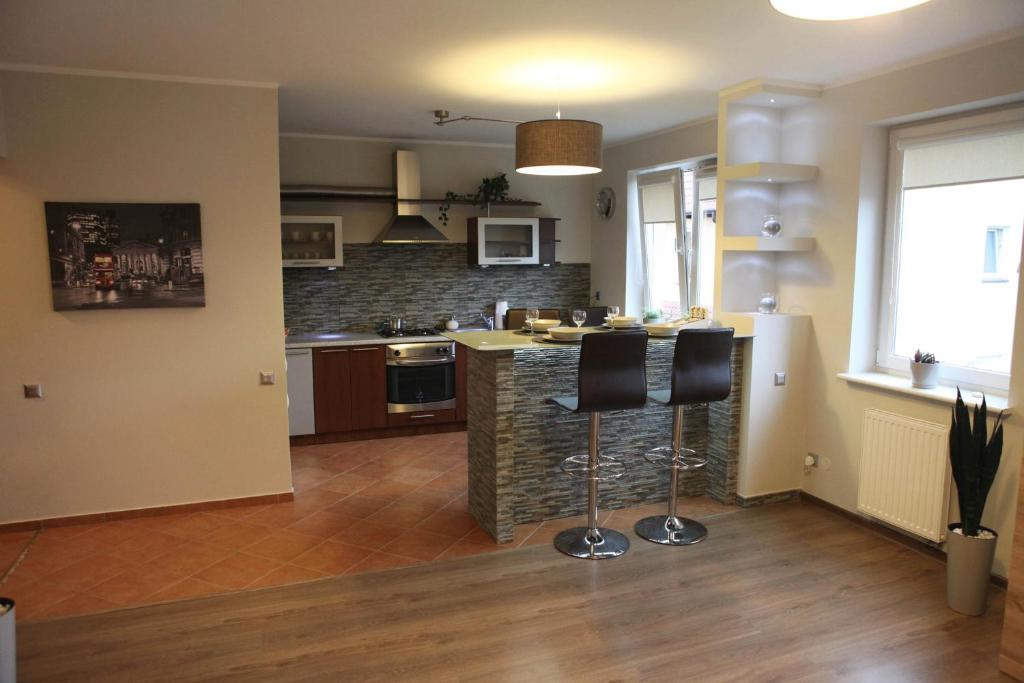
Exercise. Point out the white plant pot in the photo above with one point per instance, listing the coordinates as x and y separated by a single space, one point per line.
968 570
924 375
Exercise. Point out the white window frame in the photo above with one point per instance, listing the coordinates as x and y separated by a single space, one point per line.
675 177
900 138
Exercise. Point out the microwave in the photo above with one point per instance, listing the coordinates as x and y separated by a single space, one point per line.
505 241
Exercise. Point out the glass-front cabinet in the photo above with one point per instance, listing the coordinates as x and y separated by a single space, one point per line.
311 241
508 240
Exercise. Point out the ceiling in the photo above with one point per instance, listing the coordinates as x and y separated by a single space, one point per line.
379 67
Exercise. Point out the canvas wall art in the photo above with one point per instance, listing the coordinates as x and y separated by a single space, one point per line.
105 256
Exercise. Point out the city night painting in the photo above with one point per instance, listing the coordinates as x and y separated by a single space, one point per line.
106 256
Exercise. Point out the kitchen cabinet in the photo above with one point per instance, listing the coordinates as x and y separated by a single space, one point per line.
332 400
349 388
425 417
475 247
311 241
369 391
300 391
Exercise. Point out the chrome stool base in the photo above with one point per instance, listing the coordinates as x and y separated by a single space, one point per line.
683 531
576 542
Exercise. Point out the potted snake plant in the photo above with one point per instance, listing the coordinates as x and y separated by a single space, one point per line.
970 547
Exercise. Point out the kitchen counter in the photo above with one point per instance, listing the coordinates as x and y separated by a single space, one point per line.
309 341
517 437
514 340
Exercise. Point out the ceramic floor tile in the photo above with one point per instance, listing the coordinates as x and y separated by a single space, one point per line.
283 545
388 490
285 575
370 534
423 545
80 603
454 523
323 524
183 590
238 570
88 572
358 506
331 557
348 483
131 586
278 515
381 561
191 558
146 547
467 548
237 535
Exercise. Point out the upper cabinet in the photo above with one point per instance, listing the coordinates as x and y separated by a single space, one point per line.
510 241
311 241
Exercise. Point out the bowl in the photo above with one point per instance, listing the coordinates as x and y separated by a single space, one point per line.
545 324
663 329
566 333
622 321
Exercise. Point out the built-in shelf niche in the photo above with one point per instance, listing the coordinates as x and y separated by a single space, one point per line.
757 243
756 179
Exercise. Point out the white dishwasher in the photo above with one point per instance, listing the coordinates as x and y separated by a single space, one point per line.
300 391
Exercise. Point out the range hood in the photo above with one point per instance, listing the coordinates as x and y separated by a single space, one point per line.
408 226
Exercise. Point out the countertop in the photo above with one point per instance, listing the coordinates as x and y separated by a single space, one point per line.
511 340
309 341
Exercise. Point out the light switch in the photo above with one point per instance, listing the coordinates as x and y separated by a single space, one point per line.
33 390
780 379
267 377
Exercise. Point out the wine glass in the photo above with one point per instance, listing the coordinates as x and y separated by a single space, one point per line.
579 317
613 312
532 314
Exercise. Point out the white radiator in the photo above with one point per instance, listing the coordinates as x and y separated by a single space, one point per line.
904 473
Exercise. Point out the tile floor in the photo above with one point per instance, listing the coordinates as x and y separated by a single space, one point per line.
359 506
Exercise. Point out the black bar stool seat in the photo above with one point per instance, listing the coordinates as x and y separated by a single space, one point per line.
701 373
612 376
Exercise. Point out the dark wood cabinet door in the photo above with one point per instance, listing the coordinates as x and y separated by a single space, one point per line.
332 398
369 392
547 241
461 377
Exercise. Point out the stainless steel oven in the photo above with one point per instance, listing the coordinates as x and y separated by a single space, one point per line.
421 376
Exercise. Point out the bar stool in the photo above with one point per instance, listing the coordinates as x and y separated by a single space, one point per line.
612 376
701 372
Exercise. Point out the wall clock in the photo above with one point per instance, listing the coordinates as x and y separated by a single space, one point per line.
605 202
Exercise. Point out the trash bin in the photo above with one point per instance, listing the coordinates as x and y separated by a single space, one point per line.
8 660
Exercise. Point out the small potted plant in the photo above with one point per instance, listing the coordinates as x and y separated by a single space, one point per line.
970 547
653 315
924 370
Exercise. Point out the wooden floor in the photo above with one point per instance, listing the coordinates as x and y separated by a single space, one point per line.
787 592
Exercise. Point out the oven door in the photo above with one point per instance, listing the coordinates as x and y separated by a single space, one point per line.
421 386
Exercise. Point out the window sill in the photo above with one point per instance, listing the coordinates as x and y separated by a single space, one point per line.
940 394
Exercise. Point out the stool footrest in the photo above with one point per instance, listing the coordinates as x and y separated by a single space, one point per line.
578 467
668 457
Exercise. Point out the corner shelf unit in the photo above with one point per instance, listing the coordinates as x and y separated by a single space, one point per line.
769 172
757 136
758 243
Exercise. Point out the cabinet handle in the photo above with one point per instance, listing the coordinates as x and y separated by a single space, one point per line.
369 348
332 351
421 417
304 352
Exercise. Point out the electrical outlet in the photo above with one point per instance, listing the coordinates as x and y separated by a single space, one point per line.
780 379
267 377
33 390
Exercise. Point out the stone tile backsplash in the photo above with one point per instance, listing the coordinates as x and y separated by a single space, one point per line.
424 283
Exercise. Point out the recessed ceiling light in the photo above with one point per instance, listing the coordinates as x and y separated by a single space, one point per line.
836 10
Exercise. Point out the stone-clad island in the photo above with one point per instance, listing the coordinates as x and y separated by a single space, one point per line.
517 438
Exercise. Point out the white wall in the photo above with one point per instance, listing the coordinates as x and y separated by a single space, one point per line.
612 273
324 160
846 139
143 407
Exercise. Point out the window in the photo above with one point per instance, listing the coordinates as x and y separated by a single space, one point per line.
678 251
956 216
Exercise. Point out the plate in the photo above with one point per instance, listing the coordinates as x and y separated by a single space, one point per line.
622 327
548 339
